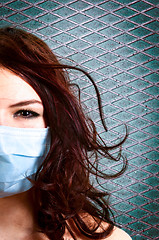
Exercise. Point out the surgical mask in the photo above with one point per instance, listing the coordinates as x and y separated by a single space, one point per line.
22 151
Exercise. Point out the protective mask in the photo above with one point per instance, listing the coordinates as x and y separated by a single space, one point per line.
22 151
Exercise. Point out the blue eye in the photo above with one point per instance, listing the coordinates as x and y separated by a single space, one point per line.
25 114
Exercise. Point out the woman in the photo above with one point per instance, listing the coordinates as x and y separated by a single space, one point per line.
45 143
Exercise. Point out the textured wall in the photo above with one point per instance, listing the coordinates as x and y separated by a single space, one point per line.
117 43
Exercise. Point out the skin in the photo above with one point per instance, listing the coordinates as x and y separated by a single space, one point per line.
21 107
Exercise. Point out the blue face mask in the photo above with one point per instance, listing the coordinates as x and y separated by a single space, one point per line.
22 151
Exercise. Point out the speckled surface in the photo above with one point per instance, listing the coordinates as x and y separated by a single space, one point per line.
117 43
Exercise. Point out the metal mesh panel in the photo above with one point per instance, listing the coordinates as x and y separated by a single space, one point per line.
117 43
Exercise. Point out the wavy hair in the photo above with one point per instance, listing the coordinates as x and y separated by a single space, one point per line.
62 190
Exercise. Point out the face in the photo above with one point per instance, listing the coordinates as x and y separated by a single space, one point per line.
20 106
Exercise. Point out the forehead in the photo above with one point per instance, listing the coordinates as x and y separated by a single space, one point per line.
14 87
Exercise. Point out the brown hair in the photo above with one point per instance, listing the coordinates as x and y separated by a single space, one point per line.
62 188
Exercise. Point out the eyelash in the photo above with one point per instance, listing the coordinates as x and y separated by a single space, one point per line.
24 113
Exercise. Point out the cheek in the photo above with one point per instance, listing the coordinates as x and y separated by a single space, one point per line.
32 123
45 120
42 123
38 123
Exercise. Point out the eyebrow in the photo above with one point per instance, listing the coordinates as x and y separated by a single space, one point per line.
25 103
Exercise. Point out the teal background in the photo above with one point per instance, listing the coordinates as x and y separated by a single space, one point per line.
117 43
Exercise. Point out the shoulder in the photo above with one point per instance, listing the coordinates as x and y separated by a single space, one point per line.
118 234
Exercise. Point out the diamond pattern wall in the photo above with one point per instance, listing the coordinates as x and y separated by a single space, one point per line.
117 43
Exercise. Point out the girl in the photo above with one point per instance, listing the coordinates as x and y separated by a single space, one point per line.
45 144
